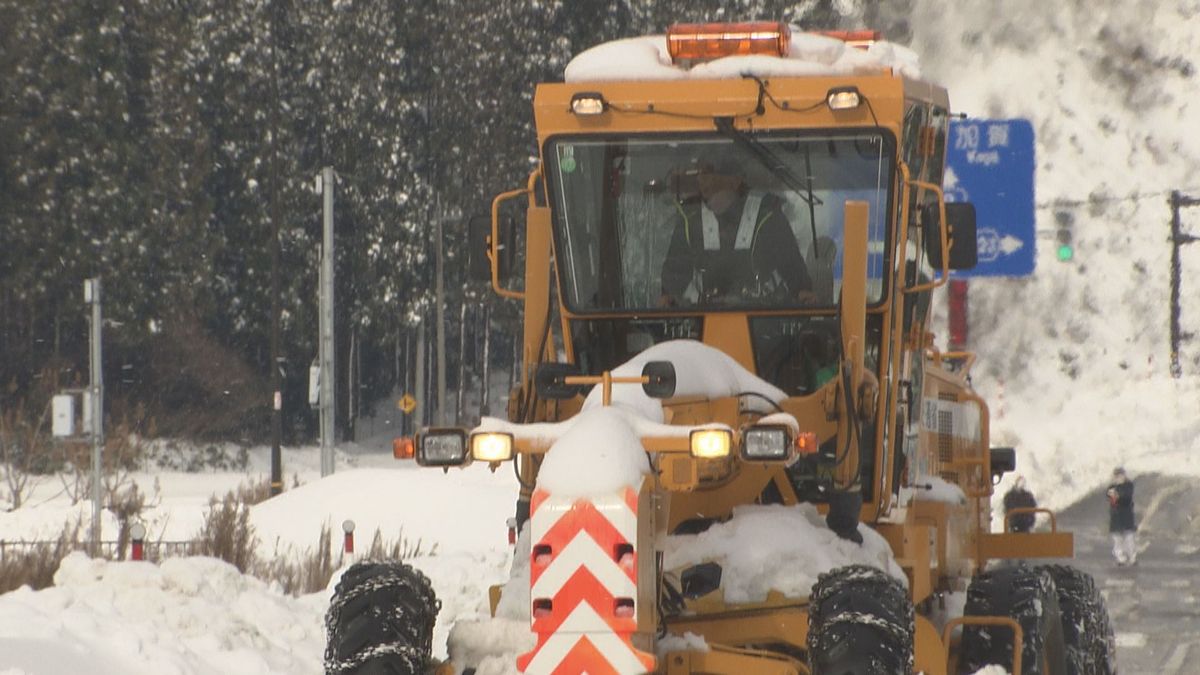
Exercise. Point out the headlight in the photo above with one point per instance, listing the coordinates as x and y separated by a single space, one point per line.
588 103
492 446
843 98
442 447
766 444
710 443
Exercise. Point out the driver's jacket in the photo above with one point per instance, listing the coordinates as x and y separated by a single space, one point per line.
749 251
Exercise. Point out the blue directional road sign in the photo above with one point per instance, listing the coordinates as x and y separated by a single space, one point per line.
990 163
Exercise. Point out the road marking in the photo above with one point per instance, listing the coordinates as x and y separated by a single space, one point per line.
1175 663
1178 583
1131 640
1118 583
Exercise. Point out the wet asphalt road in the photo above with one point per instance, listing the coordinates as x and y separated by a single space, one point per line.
1154 605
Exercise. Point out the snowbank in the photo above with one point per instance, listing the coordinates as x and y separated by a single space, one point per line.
193 616
422 506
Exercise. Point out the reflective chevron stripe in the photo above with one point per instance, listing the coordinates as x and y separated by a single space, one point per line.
583 583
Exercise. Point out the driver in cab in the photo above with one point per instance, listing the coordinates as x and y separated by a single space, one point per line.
731 244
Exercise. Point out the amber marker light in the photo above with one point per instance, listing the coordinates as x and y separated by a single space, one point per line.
806 443
492 446
710 443
404 447
704 41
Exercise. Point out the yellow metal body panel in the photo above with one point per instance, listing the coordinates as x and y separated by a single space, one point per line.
690 105
931 654
783 624
726 660
1027 545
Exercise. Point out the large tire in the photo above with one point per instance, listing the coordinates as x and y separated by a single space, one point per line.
1087 632
380 621
860 622
1027 595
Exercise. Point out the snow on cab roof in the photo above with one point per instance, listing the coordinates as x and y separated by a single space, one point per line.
646 59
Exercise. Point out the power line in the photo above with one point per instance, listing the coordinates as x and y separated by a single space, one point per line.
1133 197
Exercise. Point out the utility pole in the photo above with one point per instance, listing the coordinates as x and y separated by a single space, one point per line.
419 379
440 298
91 295
328 390
276 304
407 388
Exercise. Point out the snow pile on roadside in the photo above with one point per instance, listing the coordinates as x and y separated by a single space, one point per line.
420 506
188 615
781 548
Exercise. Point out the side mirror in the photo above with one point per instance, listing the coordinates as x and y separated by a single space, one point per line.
550 381
964 249
479 235
661 382
1003 461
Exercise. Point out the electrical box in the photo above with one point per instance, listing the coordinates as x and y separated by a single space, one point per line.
314 386
62 423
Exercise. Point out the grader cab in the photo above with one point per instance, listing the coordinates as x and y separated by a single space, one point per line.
731 241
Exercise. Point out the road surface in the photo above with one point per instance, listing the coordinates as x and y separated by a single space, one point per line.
1153 605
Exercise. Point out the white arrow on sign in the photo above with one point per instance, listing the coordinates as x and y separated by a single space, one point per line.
992 245
1010 244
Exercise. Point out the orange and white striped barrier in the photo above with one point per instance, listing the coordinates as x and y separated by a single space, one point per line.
584 583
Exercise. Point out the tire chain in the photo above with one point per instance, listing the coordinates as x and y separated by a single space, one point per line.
1087 630
896 621
412 616
1027 587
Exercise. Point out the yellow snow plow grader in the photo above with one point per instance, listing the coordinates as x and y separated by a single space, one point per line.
740 450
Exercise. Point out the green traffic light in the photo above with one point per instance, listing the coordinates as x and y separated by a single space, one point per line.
1065 253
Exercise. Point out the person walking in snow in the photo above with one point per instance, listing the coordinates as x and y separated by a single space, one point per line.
1019 497
1120 518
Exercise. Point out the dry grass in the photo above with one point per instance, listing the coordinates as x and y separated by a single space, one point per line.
309 575
226 534
400 549
34 566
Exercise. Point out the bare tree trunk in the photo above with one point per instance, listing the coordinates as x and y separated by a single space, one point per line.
462 363
485 408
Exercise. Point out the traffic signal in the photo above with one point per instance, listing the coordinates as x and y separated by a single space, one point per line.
1065 249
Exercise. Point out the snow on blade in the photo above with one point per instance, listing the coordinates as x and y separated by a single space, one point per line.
600 454
700 370
781 548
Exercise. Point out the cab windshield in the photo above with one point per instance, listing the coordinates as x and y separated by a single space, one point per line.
714 222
